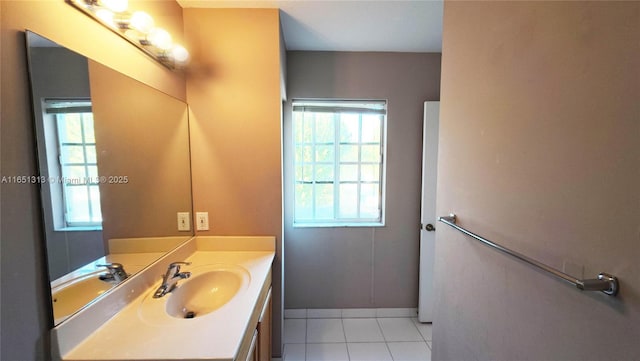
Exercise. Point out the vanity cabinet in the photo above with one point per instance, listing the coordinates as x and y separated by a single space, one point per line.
252 355
260 346
257 340
264 332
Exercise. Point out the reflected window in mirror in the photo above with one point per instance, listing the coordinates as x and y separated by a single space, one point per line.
110 192
71 147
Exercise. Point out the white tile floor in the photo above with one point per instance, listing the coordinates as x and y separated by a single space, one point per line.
356 339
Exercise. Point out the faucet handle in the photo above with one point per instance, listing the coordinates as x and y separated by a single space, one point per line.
111 266
174 264
177 265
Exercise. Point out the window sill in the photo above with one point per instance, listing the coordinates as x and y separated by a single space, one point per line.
78 229
338 225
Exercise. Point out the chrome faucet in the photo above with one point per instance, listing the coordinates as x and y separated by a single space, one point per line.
171 278
116 272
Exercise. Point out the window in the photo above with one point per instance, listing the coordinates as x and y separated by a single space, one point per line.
77 165
338 162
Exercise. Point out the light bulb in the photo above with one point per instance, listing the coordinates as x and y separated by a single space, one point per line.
141 22
106 16
160 38
117 6
180 54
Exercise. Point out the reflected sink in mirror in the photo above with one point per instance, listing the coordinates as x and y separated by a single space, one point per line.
209 289
73 295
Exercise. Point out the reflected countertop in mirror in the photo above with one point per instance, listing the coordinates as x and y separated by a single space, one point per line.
113 154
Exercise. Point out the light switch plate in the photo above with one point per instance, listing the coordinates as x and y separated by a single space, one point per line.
184 222
202 221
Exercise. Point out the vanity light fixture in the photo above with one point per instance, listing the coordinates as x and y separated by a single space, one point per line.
136 27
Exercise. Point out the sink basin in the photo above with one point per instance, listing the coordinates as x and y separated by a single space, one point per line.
75 294
204 293
209 289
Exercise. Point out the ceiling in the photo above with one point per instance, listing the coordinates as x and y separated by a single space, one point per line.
351 25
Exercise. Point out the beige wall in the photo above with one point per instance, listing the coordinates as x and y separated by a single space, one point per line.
25 292
235 103
540 151
143 134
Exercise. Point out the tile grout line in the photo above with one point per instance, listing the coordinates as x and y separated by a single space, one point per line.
415 324
386 343
306 335
344 332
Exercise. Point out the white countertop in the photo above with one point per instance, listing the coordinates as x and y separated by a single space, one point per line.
214 336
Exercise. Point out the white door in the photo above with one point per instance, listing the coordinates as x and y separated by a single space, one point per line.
428 209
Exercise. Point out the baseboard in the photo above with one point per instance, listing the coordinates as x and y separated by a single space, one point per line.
350 312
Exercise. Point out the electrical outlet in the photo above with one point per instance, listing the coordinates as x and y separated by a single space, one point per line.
202 221
184 222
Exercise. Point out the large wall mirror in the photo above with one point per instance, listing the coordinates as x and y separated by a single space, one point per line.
113 155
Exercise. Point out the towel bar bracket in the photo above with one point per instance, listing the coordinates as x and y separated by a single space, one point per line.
605 283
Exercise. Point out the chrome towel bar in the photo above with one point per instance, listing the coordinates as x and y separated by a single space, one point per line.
605 282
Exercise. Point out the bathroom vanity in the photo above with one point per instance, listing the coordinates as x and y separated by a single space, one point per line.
220 311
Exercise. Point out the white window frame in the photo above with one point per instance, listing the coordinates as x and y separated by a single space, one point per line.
55 109
338 106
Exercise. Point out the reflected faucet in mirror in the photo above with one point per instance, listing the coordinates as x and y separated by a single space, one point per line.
107 146
116 272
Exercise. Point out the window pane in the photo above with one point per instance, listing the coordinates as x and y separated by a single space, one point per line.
91 153
348 172
349 128
324 201
371 128
348 201
324 173
72 154
75 173
307 128
337 161
370 200
371 153
298 154
93 173
348 153
299 172
70 130
77 201
89 136
324 128
307 173
96 213
304 201
298 127
304 153
78 157
370 173
325 153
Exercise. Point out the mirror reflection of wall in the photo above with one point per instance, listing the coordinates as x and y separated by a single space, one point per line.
62 108
114 167
142 142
